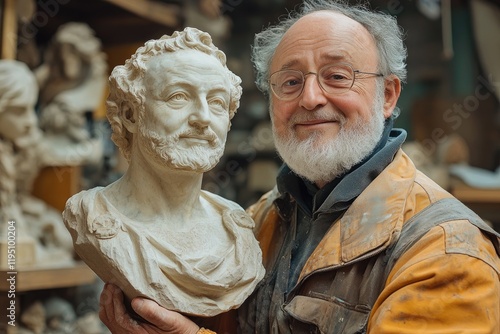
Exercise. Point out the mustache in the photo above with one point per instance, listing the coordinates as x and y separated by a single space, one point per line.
205 134
318 115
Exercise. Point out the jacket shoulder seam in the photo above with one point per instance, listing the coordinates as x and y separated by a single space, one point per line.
462 237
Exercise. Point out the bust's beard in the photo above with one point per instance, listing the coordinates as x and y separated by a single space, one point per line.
164 149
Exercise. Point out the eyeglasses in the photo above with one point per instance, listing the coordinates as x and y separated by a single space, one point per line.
332 78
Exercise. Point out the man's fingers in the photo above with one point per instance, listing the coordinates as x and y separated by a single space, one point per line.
151 312
106 309
113 314
169 321
120 313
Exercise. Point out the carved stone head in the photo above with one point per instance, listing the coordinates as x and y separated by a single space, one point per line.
171 95
18 94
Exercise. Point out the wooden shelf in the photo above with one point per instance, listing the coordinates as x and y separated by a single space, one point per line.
49 278
485 202
166 14
469 194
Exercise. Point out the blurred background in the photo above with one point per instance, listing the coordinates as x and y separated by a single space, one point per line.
453 50
449 107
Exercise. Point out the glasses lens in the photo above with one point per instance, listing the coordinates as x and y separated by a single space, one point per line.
287 84
336 78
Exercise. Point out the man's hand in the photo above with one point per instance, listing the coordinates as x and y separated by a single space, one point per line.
113 314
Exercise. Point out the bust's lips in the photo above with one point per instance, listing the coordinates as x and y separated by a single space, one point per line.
202 139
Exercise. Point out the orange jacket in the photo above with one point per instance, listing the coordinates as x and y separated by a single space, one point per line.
447 282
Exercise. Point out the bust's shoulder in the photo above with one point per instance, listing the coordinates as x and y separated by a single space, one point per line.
79 205
84 198
219 201
232 212
88 214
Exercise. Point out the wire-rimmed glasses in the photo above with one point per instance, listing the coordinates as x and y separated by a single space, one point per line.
332 78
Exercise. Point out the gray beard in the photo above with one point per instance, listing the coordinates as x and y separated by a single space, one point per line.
324 163
164 150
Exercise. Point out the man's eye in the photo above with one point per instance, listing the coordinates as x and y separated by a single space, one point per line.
292 82
337 76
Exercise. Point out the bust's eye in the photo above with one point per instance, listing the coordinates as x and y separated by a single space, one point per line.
219 102
177 97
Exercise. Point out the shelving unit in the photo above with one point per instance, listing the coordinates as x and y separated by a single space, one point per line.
122 26
49 278
37 278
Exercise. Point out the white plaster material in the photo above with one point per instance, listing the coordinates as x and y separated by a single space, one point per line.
42 238
72 83
155 232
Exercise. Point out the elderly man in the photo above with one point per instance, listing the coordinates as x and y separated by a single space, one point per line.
354 238
154 232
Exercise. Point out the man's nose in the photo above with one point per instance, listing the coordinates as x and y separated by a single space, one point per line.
312 95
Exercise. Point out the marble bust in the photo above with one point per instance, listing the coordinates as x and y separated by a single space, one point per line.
155 232
21 148
18 126
72 83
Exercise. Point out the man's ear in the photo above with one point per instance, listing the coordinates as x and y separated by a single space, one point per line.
392 91
129 117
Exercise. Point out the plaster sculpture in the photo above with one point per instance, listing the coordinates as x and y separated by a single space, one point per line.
207 15
72 83
425 162
155 232
34 318
437 161
21 145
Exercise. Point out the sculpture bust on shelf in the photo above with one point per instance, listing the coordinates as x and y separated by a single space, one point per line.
72 83
21 147
18 125
155 232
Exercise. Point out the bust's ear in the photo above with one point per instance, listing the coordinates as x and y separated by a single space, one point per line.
129 117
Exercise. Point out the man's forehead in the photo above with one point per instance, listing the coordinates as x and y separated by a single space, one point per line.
329 23
328 18
327 33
